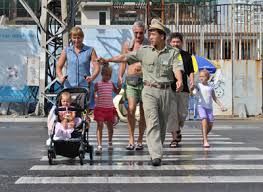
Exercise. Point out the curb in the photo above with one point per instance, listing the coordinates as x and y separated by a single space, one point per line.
13 119
36 119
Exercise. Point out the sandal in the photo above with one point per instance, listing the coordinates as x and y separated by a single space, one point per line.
130 147
179 136
110 147
173 144
206 145
98 150
139 147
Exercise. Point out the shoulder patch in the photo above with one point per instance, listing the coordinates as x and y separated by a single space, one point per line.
179 57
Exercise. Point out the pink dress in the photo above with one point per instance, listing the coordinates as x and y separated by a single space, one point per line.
65 133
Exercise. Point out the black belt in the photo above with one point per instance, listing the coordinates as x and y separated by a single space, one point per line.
157 85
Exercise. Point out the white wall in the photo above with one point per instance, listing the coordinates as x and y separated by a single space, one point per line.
239 83
91 17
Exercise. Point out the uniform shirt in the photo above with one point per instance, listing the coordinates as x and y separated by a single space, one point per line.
104 94
157 66
205 98
188 69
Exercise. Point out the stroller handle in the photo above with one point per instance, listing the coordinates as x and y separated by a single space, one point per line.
66 77
62 84
89 83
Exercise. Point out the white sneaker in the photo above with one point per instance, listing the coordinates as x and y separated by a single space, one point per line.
48 141
98 150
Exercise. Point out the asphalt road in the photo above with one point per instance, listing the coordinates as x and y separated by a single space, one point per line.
233 163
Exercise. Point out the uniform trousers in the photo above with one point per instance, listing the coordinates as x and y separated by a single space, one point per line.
156 104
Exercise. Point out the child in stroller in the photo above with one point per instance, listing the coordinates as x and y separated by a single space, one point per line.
69 135
67 118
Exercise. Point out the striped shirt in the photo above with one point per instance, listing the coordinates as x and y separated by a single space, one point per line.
104 94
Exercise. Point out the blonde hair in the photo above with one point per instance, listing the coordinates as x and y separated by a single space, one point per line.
206 72
76 31
106 68
66 95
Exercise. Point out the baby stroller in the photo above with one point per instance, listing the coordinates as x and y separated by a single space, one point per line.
78 144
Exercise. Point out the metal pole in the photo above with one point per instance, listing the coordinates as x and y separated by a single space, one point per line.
148 13
64 15
72 12
13 5
162 13
202 32
177 16
260 48
42 71
233 32
233 51
260 37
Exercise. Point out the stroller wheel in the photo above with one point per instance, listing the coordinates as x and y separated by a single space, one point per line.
91 154
50 158
81 158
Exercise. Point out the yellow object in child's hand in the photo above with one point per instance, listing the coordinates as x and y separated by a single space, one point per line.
67 116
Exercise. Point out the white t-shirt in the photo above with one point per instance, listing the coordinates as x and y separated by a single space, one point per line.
205 98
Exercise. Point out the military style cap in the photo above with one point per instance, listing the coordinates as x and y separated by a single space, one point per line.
156 24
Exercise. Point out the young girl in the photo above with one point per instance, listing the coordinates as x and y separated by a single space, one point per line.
67 118
206 95
104 109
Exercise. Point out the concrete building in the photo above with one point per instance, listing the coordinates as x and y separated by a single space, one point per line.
110 12
95 13
15 12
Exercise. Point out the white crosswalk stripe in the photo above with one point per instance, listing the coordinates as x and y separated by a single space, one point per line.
129 180
124 143
146 167
223 155
185 139
172 158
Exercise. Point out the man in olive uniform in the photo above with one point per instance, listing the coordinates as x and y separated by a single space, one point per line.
159 64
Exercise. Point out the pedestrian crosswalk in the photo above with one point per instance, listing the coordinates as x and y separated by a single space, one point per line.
130 180
227 161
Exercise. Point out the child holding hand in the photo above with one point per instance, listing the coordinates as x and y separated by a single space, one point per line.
104 110
206 96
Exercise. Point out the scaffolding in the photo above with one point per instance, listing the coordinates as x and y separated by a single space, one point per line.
54 22
217 32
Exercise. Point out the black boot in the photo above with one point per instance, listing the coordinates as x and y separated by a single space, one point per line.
156 162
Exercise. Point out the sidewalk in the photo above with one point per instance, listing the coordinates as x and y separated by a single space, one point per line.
23 118
30 118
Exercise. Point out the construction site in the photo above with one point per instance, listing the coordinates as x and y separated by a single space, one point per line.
33 34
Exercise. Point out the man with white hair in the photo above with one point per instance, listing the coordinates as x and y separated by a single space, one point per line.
134 85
